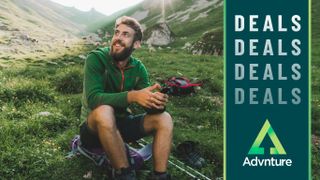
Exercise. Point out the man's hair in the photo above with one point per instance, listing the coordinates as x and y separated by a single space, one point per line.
132 23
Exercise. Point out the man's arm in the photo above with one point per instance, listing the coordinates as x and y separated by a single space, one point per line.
94 85
144 80
144 94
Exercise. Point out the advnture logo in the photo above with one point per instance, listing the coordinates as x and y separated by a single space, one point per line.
276 150
267 129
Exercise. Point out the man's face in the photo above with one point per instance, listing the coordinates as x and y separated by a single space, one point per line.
122 43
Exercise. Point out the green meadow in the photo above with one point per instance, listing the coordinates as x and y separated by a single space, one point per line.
40 108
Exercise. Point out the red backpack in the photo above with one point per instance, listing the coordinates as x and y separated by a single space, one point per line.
178 86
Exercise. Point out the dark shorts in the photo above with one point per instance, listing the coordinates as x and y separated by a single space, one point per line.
131 129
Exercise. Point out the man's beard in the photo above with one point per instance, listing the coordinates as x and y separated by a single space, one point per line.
122 55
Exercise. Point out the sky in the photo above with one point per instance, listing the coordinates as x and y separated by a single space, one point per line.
106 7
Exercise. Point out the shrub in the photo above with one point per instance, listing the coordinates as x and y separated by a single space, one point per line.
48 125
54 122
69 82
71 106
27 92
316 117
214 86
315 157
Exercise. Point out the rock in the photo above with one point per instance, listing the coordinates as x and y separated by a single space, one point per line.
210 43
187 46
316 141
24 37
92 39
200 127
107 35
104 44
83 57
44 113
159 35
174 51
151 49
3 27
88 175
100 33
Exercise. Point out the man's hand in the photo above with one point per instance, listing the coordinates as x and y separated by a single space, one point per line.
147 98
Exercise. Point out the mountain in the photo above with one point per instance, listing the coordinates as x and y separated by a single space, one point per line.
189 20
37 26
84 18
65 17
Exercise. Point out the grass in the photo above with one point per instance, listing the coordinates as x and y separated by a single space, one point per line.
315 84
40 108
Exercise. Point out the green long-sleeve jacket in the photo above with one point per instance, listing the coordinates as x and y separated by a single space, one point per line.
106 84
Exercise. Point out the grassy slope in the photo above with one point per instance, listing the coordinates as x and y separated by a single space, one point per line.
316 86
62 15
35 146
316 66
27 15
21 22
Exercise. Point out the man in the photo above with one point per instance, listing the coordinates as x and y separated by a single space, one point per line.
113 79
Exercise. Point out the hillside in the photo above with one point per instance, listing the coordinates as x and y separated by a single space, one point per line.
315 67
84 19
32 28
315 83
188 19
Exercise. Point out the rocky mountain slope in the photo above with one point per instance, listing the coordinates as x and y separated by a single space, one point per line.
38 27
178 23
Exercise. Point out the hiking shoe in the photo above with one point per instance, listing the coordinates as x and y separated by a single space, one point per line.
124 174
188 153
165 176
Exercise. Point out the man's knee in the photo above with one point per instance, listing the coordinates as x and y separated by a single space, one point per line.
164 121
102 117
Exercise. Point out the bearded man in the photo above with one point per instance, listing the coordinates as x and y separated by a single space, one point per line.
113 80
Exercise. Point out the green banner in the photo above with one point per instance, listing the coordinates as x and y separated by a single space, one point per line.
267 90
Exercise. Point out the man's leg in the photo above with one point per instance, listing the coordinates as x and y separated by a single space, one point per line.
161 126
102 121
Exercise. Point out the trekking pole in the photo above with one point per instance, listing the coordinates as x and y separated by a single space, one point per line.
177 166
181 168
188 167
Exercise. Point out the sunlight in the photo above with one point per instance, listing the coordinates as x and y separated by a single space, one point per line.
163 9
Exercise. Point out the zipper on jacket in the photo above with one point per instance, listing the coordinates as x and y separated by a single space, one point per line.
122 79
122 76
